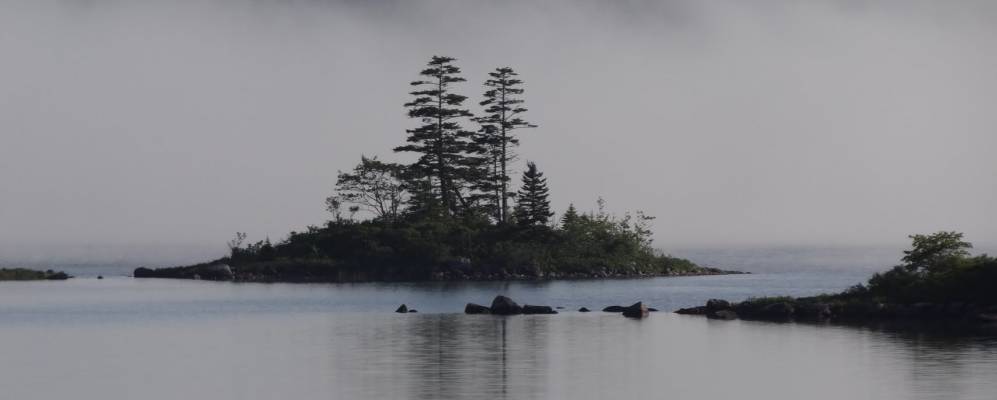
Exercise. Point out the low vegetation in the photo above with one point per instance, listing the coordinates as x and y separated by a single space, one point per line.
24 274
938 278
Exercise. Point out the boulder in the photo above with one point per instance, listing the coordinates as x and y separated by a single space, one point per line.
583 309
528 309
502 305
692 311
402 309
637 310
717 305
652 309
722 314
412 310
472 308
614 309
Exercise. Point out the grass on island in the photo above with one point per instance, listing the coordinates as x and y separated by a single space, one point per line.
24 274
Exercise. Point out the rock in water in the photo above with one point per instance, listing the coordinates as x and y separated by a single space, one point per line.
614 309
402 309
505 306
637 310
528 309
412 310
692 311
472 308
717 305
583 309
722 314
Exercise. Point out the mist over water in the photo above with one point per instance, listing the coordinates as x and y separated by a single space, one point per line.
174 124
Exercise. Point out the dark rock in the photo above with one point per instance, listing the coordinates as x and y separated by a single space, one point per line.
412 310
472 308
817 311
583 309
722 314
652 309
502 305
614 309
100 276
402 309
717 305
780 310
143 272
637 310
216 272
528 309
559 307
692 311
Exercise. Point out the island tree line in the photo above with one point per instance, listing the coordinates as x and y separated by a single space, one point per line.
463 163
453 212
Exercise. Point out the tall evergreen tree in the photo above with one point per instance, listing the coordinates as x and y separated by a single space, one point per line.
449 159
570 217
502 117
533 207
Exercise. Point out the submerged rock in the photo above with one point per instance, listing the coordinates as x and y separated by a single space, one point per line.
614 309
412 310
402 309
528 309
637 310
502 305
583 309
472 308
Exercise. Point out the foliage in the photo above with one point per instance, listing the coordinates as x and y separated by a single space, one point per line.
533 207
448 155
465 247
374 186
502 116
937 268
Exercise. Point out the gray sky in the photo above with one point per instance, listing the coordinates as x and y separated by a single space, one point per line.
177 123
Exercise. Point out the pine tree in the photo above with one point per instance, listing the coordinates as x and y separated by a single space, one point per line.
533 207
570 217
503 107
449 159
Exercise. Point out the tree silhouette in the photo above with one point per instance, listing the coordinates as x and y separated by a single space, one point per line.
449 159
503 107
533 207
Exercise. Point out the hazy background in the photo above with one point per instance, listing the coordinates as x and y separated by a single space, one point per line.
156 129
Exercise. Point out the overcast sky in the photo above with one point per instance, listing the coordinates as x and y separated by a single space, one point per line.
168 123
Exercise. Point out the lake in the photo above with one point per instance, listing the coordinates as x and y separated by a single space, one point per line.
123 338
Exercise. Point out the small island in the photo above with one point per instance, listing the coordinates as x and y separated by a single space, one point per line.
938 280
24 274
451 212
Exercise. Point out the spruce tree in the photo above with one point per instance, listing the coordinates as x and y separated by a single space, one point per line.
570 217
502 117
533 207
450 160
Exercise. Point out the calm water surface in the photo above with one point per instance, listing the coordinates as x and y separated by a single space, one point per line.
122 338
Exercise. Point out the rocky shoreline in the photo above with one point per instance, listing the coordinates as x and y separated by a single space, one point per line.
311 272
502 305
817 309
